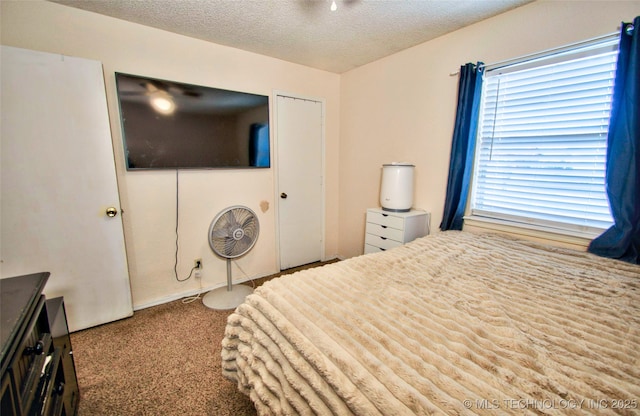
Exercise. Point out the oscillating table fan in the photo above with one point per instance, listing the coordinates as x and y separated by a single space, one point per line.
232 233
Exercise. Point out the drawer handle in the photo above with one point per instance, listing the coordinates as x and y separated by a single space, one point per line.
383 226
59 388
383 238
385 215
36 349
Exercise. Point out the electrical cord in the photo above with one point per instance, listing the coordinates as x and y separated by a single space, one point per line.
253 283
175 265
190 299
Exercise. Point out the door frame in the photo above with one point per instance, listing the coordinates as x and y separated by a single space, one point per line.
275 155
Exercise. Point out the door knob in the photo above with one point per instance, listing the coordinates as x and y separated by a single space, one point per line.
111 212
283 195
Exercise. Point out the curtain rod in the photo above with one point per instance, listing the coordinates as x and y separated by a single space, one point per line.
535 55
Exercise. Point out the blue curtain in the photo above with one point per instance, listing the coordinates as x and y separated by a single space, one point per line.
622 240
462 146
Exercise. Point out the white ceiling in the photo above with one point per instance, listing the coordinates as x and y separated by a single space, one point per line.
306 32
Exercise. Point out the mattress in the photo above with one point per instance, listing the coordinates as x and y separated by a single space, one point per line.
453 323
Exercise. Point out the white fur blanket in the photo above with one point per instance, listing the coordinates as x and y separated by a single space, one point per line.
453 323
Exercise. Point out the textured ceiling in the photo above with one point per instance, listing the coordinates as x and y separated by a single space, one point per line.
306 32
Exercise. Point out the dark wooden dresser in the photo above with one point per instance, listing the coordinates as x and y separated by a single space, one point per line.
38 373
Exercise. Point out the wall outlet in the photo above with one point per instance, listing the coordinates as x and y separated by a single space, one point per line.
197 264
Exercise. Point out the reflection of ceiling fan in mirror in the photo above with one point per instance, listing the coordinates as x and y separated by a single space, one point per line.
160 99
191 98
150 86
161 94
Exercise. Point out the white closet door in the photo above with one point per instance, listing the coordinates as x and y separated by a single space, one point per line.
58 179
300 202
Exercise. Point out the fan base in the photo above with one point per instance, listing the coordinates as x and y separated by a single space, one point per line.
222 299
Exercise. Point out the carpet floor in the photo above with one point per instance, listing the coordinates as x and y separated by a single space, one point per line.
164 360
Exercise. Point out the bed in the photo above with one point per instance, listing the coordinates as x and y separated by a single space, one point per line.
453 323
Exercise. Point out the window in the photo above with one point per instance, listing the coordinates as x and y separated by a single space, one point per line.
542 140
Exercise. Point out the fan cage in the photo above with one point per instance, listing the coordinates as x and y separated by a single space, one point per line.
233 232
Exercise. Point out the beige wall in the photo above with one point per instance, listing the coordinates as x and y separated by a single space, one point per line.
402 108
148 198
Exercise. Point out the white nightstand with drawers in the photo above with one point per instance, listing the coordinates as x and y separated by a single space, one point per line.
387 229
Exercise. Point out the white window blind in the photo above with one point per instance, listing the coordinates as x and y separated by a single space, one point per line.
542 141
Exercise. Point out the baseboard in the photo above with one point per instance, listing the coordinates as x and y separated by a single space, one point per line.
191 293
187 294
